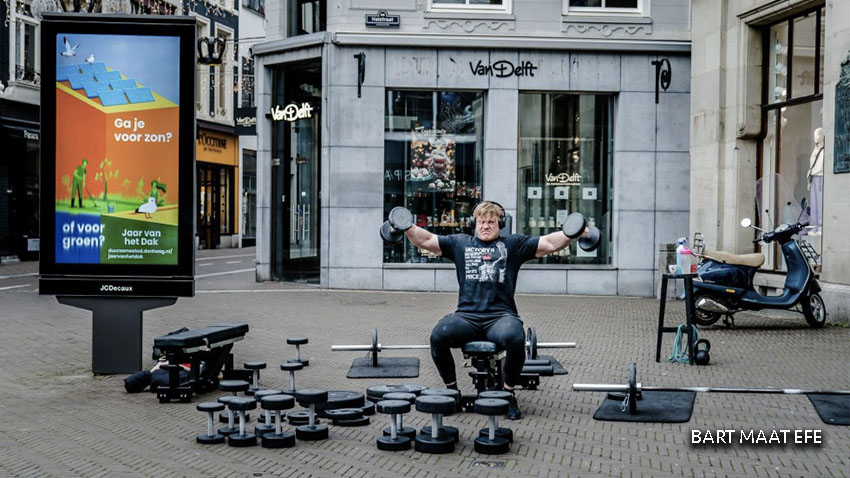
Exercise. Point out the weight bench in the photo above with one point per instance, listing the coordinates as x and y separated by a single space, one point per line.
210 345
487 360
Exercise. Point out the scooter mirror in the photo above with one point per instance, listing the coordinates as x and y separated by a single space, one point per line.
746 222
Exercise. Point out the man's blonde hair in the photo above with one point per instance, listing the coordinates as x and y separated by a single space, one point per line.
488 210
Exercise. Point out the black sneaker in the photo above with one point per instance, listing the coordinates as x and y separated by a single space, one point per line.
513 408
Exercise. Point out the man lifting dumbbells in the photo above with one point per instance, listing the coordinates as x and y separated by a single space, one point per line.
487 266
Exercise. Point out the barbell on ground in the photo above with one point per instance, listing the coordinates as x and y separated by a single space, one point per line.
531 346
633 389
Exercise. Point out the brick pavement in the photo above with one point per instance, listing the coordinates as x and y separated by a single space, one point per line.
59 420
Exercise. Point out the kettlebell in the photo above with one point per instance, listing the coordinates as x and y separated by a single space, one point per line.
701 356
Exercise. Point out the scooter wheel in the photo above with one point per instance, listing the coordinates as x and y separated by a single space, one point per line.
704 317
814 310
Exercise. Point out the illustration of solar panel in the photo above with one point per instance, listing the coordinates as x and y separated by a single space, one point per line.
95 88
123 84
108 75
112 97
93 67
139 95
63 72
77 81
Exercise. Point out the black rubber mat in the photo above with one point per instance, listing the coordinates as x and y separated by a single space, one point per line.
388 367
833 409
658 407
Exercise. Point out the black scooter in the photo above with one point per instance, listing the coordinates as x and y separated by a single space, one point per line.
725 281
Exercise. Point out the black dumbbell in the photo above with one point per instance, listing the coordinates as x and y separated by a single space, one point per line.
242 438
501 432
399 220
211 436
395 409
312 431
277 438
230 419
234 387
255 368
399 426
437 406
492 444
298 342
265 420
574 227
291 367
444 392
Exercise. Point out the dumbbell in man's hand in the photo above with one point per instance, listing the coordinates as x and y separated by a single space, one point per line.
400 220
575 226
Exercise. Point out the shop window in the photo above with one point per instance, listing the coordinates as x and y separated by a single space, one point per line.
606 7
247 88
433 147
249 193
793 117
564 167
476 5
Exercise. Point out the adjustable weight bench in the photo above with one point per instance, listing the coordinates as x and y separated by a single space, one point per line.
210 345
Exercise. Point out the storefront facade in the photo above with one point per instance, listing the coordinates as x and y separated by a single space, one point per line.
778 133
217 188
544 128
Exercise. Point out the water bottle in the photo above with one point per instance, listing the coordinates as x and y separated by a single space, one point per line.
686 259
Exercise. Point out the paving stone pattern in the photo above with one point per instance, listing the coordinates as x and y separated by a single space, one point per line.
60 420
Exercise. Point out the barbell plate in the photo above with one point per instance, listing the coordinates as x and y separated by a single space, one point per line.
531 344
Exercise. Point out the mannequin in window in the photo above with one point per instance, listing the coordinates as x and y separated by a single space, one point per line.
815 183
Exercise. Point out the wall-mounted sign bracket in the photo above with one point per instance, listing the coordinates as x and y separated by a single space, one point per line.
663 75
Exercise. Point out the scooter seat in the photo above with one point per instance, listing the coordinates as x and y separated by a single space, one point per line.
749 260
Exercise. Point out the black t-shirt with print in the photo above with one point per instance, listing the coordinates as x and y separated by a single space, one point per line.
487 271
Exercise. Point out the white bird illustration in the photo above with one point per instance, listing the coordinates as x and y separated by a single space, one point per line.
90 59
148 208
69 50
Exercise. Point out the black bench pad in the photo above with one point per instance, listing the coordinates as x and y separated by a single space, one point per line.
202 336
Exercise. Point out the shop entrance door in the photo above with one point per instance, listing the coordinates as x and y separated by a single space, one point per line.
302 206
209 205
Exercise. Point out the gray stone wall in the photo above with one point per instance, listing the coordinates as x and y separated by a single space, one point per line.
650 173
726 122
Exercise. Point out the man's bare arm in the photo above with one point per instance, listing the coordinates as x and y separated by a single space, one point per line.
423 239
554 242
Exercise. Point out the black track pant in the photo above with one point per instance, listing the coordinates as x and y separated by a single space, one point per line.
453 331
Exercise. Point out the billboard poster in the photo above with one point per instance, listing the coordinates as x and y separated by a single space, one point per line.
121 202
116 149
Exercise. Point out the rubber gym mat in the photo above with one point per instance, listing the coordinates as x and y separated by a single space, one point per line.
388 367
833 409
556 366
658 407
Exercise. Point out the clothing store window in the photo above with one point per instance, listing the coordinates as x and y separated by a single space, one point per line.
791 166
565 154
433 150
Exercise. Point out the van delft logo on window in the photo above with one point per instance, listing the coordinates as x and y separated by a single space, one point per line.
563 179
502 69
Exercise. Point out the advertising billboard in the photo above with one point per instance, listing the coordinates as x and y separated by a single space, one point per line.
117 170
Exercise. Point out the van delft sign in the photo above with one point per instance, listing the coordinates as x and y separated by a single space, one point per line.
502 69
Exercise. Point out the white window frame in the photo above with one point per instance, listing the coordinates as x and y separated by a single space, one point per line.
642 10
505 7
203 71
225 71
15 49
